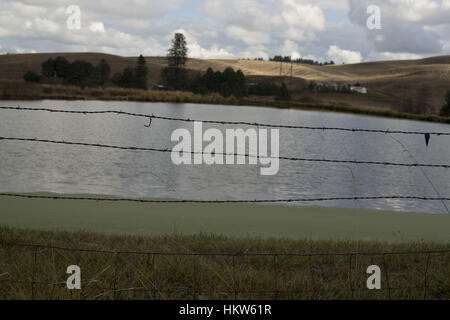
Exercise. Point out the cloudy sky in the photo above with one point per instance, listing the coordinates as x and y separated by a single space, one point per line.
341 30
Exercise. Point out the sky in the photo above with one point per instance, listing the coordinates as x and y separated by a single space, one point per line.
345 31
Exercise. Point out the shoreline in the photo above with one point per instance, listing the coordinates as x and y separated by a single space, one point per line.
230 220
119 94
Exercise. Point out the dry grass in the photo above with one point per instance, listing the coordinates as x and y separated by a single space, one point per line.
213 277
17 90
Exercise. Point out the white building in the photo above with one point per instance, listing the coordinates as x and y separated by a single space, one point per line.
362 90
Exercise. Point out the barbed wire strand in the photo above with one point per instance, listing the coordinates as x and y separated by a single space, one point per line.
31 196
167 150
245 123
224 254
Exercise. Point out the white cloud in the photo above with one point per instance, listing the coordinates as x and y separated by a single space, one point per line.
135 23
28 10
446 4
46 26
251 52
290 48
143 9
22 50
214 52
339 55
418 10
209 34
250 14
300 35
297 14
310 57
248 37
234 28
97 27
399 56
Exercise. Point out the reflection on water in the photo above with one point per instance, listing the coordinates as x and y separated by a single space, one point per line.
26 167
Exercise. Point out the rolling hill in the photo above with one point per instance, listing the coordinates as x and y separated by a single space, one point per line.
390 81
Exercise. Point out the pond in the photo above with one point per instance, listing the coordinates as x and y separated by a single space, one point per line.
31 167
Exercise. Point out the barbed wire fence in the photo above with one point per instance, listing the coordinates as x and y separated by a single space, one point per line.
351 283
276 269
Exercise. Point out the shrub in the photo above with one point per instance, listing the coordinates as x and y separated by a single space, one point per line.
264 89
32 77
283 93
445 111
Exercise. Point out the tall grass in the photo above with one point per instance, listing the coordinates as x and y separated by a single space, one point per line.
213 277
346 109
19 90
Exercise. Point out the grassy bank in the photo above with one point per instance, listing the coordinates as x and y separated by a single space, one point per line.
179 271
28 91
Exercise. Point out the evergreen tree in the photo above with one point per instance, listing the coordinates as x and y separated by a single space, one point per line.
175 76
128 78
80 72
240 84
225 89
178 53
32 77
208 80
102 72
141 73
227 83
48 68
62 67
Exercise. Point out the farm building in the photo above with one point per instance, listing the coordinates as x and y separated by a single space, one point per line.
362 90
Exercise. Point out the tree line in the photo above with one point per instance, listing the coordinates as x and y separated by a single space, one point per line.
133 77
175 76
227 83
83 73
79 72
280 58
